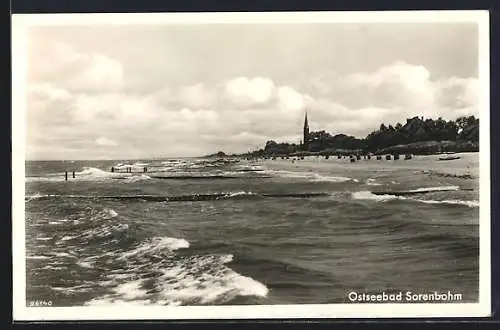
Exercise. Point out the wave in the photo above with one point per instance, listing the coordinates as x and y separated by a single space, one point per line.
192 280
418 191
37 257
85 264
153 274
313 176
207 176
86 174
73 289
91 225
91 174
111 212
41 238
440 188
471 204
144 272
372 182
156 244
193 197
368 195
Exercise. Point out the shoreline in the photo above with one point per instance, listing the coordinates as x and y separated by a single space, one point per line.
333 154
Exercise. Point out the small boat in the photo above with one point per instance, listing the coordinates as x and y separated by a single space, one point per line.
449 158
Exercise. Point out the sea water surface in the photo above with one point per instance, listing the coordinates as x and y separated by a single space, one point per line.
221 231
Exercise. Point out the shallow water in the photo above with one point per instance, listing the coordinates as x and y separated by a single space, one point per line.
192 231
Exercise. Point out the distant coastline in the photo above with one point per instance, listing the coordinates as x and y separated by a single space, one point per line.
418 136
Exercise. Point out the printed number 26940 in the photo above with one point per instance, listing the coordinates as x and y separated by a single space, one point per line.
39 303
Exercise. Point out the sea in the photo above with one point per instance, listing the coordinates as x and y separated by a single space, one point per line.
232 231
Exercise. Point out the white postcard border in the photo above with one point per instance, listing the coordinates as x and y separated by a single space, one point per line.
20 25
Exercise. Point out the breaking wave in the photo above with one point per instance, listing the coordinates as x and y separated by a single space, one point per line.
193 280
368 195
440 188
316 177
153 274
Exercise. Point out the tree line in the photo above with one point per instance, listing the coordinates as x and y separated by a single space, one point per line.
464 129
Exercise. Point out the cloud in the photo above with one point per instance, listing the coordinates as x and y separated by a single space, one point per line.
77 96
197 96
60 64
103 141
245 91
291 100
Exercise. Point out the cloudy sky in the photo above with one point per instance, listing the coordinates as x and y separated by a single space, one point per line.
109 92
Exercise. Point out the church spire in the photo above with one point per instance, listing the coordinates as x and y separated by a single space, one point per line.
306 132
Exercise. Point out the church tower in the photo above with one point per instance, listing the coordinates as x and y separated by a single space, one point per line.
306 133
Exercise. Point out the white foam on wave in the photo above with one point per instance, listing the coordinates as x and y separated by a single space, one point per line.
367 195
136 178
241 193
313 176
43 238
111 212
439 188
103 231
73 289
67 238
95 173
37 257
156 244
85 264
201 284
86 174
131 290
63 254
55 223
372 182
249 168
199 279
107 301
36 196
471 204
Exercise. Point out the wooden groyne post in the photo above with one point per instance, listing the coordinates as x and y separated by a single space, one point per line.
73 174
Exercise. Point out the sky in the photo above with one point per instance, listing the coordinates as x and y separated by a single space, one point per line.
144 91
